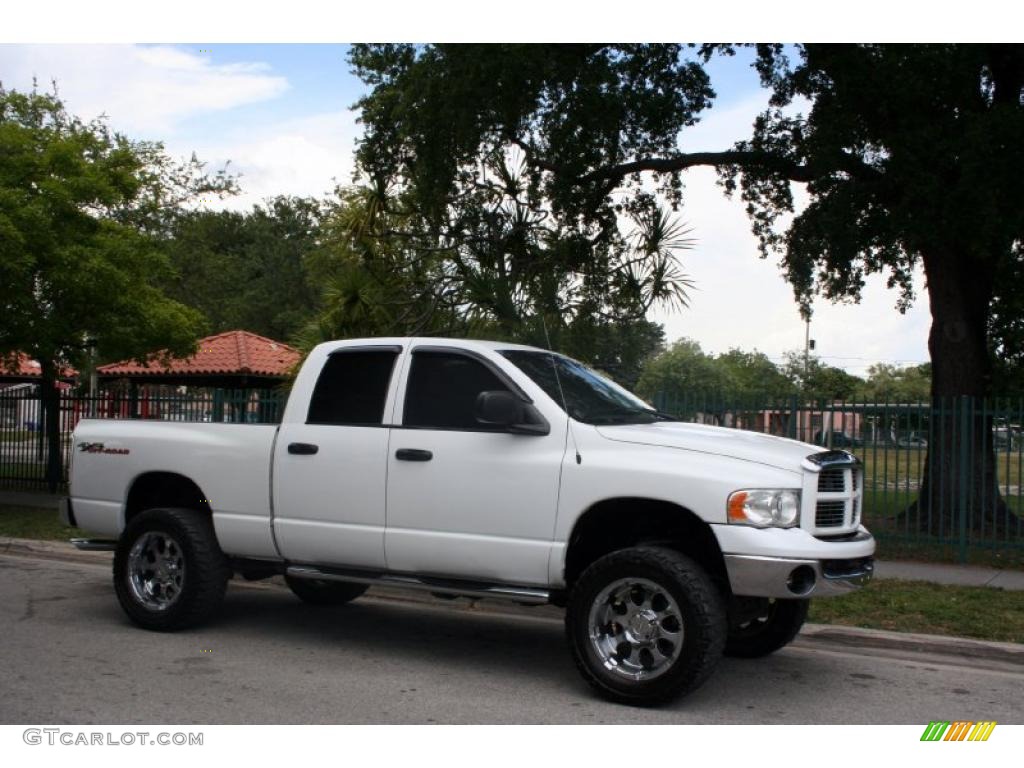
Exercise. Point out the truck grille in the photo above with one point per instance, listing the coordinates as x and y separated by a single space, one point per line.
832 480
837 503
830 514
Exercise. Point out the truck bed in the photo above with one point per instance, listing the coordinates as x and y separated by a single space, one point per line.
230 463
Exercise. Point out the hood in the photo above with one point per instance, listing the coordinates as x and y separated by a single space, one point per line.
779 452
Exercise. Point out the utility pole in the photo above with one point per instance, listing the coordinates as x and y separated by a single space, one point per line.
807 350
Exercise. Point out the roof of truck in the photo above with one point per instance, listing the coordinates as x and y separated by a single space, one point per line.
421 340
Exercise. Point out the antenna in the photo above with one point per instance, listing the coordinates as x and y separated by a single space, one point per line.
561 392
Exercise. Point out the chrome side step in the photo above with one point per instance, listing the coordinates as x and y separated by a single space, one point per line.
95 545
529 595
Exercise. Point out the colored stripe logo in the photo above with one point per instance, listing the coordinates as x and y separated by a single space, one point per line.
958 730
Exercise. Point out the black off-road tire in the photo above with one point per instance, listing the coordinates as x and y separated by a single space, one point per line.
775 628
323 592
205 574
703 621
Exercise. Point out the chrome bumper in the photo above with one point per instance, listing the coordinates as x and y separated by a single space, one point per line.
781 577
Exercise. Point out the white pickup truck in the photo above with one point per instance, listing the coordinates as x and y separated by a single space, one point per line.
484 469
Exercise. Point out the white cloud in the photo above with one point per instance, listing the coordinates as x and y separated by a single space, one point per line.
144 90
302 156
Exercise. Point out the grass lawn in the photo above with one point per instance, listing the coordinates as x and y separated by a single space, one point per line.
894 547
22 470
983 613
34 523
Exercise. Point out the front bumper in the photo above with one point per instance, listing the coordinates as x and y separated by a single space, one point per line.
782 577
790 563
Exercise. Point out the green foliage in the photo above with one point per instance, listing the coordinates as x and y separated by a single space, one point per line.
1006 326
80 207
505 274
819 380
685 370
248 270
434 111
895 384
494 245
750 374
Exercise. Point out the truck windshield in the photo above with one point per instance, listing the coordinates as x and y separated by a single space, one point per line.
587 395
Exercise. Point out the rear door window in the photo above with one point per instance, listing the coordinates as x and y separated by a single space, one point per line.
352 388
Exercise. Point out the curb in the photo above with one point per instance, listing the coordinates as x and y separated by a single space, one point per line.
813 636
965 650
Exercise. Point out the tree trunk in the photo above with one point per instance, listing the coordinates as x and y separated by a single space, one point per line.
50 398
959 494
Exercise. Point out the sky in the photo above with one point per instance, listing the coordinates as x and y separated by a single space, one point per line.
280 115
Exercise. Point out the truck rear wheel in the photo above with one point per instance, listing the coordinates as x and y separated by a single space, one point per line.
645 625
169 571
323 592
775 627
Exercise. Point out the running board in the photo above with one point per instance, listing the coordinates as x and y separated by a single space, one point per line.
446 586
95 545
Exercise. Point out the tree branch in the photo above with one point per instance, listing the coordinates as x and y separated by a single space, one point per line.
745 158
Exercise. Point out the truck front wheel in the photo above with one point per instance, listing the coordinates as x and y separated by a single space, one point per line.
645 625
774 626
169 571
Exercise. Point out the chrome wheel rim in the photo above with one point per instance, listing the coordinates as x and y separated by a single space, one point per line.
636 629
156 570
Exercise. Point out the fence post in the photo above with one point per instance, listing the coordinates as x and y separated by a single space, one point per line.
963 474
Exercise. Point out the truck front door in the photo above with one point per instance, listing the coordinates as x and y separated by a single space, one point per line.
465 500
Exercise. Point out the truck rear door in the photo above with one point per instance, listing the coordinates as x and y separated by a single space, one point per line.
329 473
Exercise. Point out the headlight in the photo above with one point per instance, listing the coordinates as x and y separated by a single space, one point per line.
765 508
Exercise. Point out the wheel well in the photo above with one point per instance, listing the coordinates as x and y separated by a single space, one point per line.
164 489
620 523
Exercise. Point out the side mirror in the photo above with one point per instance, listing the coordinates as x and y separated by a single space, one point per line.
498 409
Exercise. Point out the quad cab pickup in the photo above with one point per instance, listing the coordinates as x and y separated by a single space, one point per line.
484 469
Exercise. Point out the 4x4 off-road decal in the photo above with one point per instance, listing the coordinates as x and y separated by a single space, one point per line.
99 448
958 730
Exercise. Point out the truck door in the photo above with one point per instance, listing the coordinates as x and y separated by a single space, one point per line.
329 472
465 500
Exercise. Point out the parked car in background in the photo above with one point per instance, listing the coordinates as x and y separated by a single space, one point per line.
913 440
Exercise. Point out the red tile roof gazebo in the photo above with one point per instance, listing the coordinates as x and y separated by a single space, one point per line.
19 367
231 359
237 373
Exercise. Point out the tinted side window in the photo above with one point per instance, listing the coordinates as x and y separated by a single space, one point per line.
443 388
352 388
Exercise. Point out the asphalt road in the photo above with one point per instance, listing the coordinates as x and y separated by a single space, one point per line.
68 655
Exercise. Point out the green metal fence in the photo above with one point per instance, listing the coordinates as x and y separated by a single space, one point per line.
941 475
967 454
23 445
